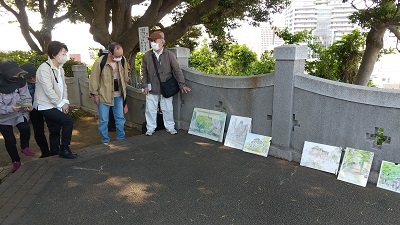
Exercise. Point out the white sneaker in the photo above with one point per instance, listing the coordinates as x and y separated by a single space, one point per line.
172 131
149 133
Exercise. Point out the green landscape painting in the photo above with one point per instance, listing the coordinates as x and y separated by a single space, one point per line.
208 123
257 144
356 166
389 176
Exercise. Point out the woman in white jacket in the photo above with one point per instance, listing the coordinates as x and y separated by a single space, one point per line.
51 99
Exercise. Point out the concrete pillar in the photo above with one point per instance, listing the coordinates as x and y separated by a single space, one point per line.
79 73
290 60
182 55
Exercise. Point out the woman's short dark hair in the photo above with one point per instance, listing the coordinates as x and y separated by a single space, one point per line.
54 47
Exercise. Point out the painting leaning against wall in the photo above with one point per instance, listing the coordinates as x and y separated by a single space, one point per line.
356 166
389 176
208 123
321 157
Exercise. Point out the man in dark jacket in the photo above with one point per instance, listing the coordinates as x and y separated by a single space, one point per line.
167 66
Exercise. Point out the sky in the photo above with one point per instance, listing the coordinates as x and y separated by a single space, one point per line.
75 36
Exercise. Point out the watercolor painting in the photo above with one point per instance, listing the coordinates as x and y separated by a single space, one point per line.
257 144
237 131
389 176
356 166
321 157
208 123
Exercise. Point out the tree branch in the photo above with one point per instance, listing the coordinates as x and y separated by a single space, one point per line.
23 21
192 17
395 31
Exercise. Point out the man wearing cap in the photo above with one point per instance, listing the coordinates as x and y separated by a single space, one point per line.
37 118
167 66
107 86
15 104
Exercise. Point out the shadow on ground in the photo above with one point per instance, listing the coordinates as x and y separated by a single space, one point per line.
185 179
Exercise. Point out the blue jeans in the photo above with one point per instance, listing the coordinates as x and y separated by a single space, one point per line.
118 112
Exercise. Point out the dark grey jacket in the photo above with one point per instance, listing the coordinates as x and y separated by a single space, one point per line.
169 67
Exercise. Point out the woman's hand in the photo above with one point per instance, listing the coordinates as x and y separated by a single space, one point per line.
15 108
65 108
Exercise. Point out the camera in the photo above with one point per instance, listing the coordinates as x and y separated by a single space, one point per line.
102 52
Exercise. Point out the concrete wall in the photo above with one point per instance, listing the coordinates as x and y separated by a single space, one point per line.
289 106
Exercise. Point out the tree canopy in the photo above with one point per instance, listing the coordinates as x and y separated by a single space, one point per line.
114 20
51 12
237 60
377 17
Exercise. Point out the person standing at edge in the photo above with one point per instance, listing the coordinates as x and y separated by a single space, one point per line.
51 99
13 89
108 89
168 67
37 118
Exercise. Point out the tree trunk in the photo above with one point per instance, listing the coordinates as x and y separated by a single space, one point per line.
373 45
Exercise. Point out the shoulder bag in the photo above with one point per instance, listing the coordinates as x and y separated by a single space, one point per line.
170 87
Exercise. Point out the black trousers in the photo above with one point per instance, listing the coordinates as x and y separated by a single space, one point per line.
37 121
58 122
10 140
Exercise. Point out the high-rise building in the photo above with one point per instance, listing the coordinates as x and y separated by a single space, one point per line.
327 18
269 40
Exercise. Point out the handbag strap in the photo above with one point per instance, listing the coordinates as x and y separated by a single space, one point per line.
155 66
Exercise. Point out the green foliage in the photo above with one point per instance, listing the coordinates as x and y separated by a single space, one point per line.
339 61
380 138
204 59
377 12
138 62
238 60
68 67
304 36
22 57
188 40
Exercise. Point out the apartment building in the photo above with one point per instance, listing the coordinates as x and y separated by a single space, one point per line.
327 18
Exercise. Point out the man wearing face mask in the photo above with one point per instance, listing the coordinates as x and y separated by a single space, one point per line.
167 66
51 99
107 86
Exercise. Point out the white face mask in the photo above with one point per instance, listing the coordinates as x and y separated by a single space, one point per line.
155 46
62 59
117 59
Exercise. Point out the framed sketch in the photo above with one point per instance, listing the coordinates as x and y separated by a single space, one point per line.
321 157
257 144
389 176
356 166
237 131
208 123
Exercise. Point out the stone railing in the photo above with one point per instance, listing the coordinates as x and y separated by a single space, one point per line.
288 105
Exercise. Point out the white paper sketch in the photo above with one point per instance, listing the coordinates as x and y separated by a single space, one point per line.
238 128
321 157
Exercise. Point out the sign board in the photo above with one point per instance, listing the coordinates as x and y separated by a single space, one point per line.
143 41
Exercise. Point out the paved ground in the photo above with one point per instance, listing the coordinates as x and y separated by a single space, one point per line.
185 179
